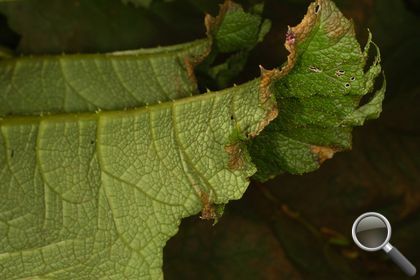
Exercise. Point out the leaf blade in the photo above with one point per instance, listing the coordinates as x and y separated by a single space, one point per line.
125 193
318 92
80 83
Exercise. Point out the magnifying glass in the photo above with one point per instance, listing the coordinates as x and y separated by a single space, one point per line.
371 232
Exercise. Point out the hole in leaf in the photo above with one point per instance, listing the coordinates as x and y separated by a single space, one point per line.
347 85
352 78
317 8
340 73
315 69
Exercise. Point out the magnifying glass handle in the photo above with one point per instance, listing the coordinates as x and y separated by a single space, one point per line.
402 261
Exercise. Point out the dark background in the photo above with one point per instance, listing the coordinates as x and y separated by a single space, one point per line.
293 227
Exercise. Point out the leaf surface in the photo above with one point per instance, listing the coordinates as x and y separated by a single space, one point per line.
101 156
99 194
115 81
318 92
93 193
235 32
125 79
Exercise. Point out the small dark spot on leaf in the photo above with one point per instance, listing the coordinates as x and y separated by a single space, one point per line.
91 142
317 8
340 73
236 156
12 153
231 117
315 69
208 212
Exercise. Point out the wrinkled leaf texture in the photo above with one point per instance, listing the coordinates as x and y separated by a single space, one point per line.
103 155
318 92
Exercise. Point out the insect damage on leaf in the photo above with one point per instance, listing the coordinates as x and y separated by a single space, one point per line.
209 210
323 153
192 62
236 156
318 91
293 36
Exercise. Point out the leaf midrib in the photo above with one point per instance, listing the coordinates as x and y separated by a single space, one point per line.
29 119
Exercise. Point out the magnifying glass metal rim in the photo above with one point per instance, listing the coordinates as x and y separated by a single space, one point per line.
377 215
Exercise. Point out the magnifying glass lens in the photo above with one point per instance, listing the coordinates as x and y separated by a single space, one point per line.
371 232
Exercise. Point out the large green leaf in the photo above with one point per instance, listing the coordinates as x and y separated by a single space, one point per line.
126 79
318 92
99 194
115 81
94 186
